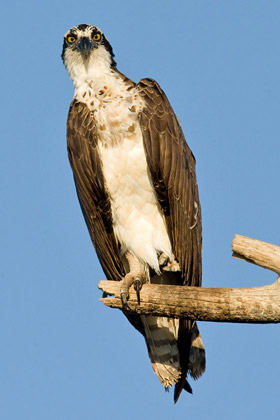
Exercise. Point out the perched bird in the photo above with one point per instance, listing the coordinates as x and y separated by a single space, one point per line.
136 183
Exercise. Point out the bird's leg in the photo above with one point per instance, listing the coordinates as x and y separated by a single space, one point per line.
167 265
172 266
137 275
163 259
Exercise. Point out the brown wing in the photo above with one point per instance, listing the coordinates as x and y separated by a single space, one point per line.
88 176
172 167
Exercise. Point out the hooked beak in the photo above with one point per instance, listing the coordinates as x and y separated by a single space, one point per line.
85 46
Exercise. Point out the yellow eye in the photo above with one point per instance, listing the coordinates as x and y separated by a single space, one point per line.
71 39
96 37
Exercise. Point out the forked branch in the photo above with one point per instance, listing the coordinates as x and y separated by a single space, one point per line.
247 305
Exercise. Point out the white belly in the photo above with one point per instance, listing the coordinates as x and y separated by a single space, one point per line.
138 222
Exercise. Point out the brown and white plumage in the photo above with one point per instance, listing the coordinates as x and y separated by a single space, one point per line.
136 183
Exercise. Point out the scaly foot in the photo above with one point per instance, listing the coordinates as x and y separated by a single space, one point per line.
137 276
167 265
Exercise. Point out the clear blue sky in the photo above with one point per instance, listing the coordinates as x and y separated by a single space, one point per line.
62 354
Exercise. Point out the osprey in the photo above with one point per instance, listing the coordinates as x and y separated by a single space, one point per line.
136 183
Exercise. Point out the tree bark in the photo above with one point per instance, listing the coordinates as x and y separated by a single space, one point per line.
243 305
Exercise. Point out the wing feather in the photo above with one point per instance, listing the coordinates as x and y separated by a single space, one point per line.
172 168
88 177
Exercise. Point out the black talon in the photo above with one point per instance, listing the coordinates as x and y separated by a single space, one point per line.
137 287
124 299
124 302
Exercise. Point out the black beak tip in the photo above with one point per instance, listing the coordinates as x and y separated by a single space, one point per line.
85 46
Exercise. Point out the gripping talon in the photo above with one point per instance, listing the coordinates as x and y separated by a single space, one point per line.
137 287
137 275
124 301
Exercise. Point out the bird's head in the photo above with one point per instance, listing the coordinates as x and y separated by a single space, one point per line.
86 47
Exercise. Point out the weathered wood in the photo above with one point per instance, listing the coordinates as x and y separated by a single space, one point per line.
257 252
244 305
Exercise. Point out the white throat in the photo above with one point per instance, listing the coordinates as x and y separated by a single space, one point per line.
89 73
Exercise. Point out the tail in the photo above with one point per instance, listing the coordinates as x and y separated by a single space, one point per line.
192 356
197 360
175 348
161 336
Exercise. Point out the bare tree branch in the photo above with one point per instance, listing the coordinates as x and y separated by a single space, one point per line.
257 252
246 305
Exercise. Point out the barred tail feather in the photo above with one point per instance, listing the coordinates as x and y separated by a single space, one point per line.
191 347
161 336
197 361
167 356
